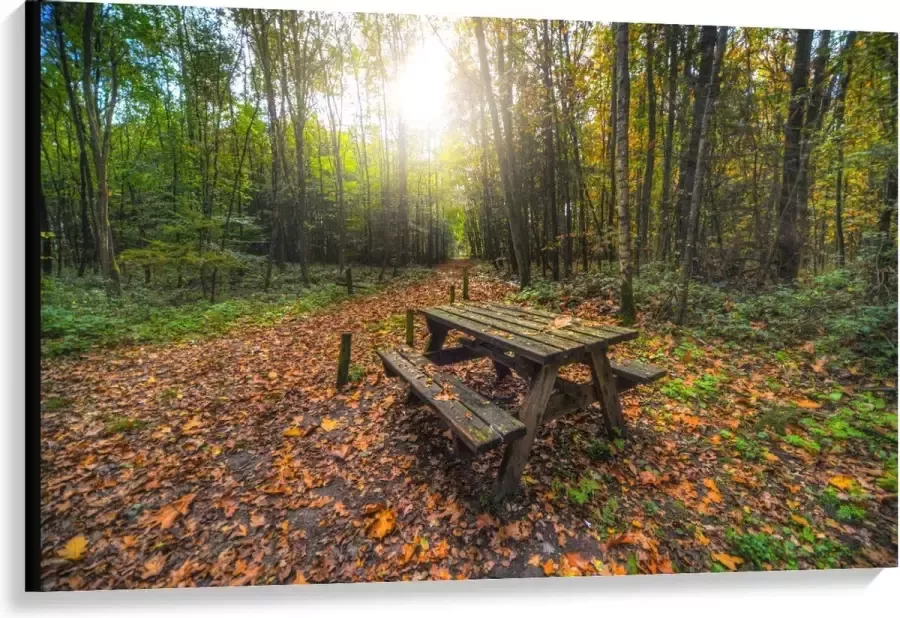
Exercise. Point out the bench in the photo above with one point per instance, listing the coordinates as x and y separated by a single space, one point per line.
634 373
475 422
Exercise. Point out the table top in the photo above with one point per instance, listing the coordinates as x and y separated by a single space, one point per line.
541 336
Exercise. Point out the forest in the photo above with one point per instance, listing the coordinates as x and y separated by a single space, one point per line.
195 144
215 182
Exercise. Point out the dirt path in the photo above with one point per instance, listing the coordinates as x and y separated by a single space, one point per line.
234 461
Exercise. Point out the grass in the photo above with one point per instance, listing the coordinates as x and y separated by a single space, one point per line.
77 315
123 424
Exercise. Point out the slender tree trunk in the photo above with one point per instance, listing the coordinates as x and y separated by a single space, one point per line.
839 111
813 123
622 104
646 190
709 96
518 240
666 203
550 153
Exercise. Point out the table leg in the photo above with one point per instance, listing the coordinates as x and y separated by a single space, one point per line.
438 334
502 371
516 455
607 394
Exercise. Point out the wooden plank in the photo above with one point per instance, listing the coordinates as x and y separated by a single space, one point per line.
522 366
516 455
506 316
451 356
477 435
535 335
528 348
640 373
501 421
613 334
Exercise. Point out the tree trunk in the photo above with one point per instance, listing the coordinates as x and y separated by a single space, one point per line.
100 147
709 96
624 248
644 211
550 153
518 239
666 203
788 241
689 164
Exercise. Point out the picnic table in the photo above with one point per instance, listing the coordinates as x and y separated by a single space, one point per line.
533 343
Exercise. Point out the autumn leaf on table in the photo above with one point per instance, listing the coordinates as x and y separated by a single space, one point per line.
74 549
560 322
445 395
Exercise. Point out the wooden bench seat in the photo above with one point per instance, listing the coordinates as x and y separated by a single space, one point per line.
632 373
476 422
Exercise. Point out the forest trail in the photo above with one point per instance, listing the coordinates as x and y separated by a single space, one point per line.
235 461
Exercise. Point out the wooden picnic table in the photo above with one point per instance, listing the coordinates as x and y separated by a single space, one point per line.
536 344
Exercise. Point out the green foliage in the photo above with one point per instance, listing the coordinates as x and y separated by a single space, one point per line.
356 373
123 424
77 315
761 549
56 403
608 516
801 442
583 491
599 450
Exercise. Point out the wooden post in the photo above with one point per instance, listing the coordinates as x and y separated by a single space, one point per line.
349 282
343 375
410 338
466 283
452 294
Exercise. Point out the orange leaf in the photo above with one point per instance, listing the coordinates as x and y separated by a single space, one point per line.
329 424
701 538
549 567
730 562
74 549
382 524
807 404
153 566
842 482
300 578
800 520
534 561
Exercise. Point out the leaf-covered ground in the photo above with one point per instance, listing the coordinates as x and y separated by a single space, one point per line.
235 461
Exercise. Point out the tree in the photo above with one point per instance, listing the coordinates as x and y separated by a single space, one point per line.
516 225
622 104
709 95
100 132
788 241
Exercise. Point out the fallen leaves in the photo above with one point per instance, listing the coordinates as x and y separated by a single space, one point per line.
153 566
729 562
74 549
842 482
166 516
329 424
381 523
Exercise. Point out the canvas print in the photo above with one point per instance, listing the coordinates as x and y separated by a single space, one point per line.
332 297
